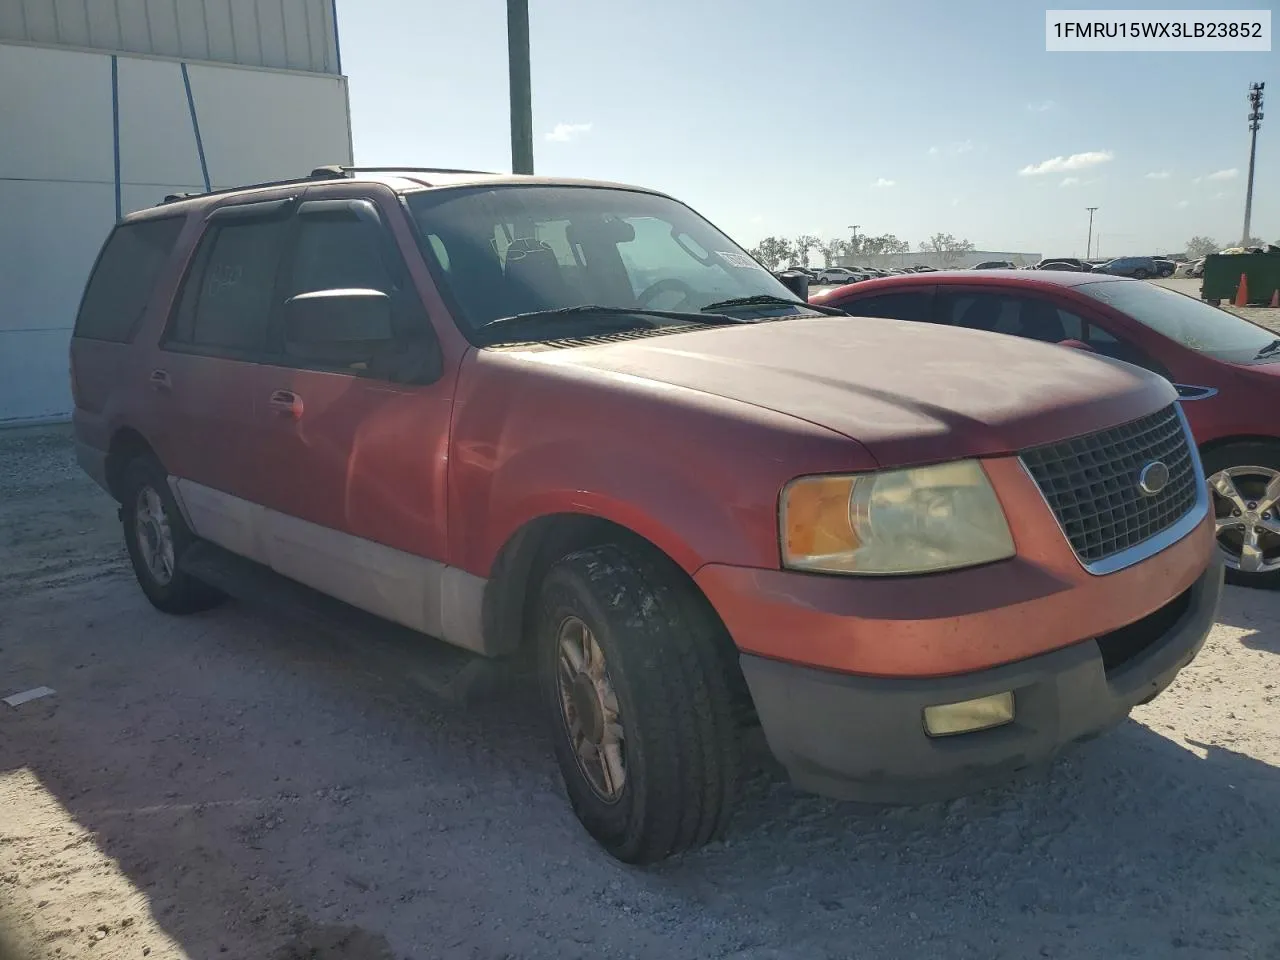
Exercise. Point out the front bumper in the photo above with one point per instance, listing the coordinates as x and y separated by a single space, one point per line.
863 738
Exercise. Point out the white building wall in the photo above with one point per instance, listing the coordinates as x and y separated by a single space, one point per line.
286 34
58 178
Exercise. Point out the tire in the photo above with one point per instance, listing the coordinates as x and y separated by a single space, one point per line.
1255 463
670 672
1140 274
146 494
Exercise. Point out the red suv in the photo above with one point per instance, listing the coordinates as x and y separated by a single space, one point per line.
574 421
1226 371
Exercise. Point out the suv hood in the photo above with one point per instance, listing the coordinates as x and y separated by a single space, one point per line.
909 392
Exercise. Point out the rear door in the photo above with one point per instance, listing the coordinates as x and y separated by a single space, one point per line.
121 288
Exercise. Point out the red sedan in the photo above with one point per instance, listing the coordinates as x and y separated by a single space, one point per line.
1226 369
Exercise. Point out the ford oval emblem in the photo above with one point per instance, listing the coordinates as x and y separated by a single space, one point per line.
1153 478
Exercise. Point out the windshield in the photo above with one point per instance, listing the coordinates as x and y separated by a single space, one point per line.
518 249
1190 322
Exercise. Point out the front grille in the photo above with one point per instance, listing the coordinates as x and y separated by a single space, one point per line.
1091 483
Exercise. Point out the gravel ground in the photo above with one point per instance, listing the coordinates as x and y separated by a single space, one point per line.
225 785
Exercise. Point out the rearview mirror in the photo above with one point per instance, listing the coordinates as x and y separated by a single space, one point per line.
337 327
796 282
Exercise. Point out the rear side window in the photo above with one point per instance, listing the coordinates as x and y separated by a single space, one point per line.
908 305
228 296
124 277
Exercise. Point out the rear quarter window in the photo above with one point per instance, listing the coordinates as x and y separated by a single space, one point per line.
124 277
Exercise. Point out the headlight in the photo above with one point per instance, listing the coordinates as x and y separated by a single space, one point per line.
918 520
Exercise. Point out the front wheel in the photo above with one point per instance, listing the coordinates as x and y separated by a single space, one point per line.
1139 274
637 680
1244 483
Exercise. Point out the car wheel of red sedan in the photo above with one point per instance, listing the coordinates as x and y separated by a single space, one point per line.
1244 482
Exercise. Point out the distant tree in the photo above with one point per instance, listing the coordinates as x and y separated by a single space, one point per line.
830 250
885 243
1255 242
1198 247
948 247
772 251
801 246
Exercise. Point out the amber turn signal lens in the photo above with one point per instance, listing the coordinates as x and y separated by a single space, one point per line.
816 517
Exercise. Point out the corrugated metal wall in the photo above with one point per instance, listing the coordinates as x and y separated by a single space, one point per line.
85 133
285 34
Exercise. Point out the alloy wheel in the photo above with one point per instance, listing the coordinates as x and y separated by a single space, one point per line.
589 707
1247 517
154 535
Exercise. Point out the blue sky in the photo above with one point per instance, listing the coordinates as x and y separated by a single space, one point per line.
904 117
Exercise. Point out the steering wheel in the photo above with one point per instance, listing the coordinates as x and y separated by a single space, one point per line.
647 295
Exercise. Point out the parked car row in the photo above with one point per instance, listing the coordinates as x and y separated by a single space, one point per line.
1226 371
842 275
452 404
1139 268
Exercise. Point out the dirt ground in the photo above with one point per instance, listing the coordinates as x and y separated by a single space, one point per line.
227 786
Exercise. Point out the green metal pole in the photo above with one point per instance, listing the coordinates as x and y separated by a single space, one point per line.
521 92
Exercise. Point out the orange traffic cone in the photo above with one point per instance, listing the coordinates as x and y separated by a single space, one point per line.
1275 297
1242 292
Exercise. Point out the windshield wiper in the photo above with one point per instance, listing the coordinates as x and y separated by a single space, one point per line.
1269 349
768 300
534 316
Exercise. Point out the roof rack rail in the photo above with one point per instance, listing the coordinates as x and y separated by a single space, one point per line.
342 171
319 173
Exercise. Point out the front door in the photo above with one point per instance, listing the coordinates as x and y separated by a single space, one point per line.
208 373
357 453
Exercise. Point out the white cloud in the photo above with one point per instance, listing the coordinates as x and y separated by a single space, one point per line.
933 151
882 182
1077 161
564 132
1069 181
956 202
1159 175
953 149
1183 204
1230 174
1220 195
757 219
1042 107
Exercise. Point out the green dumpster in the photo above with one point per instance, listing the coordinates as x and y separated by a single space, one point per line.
1222 275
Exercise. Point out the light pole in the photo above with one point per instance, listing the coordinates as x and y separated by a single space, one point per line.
1088 244
1255 121
521 90
853 242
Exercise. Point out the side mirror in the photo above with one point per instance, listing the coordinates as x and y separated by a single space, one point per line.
796 282
337 327
1078 345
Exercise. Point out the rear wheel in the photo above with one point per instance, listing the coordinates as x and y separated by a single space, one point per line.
1244 483
156 536
1140 274
638 683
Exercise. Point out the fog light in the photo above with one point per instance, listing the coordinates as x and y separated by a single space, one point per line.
969 715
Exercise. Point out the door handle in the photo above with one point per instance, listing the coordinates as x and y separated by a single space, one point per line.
286 402
160 380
